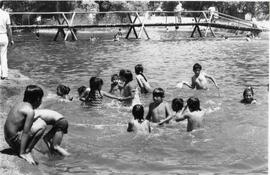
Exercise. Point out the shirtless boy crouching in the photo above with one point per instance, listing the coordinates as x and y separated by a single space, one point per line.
54 137
21 130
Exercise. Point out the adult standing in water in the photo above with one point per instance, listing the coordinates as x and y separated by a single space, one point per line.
5 37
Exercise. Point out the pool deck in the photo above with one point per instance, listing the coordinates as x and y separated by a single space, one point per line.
9 164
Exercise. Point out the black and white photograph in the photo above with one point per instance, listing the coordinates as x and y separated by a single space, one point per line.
134 87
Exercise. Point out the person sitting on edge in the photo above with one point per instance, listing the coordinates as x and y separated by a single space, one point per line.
138 124
142 81
21 130
129 91
177 107
54 137
199 80
248 96
63 92
114 85
95 95
158 109
193 114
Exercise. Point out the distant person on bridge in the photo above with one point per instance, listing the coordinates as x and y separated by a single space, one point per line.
213 14
179 9
5 37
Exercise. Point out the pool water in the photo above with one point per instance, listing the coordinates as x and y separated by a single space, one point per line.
233 139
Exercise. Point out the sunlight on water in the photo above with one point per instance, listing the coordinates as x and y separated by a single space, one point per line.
234 138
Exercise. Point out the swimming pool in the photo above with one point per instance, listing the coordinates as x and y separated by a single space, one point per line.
233 139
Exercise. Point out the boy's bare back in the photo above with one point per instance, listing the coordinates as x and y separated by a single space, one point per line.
20 115
195 119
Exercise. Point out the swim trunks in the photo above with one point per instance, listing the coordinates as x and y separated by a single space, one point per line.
15 142
61 125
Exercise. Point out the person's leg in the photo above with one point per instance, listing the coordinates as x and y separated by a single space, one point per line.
57 139
3 55
48 138
37 130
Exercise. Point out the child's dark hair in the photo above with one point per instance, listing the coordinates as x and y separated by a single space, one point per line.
122 72
81 90
248 89
177 104
193 104
114 76
139 70
95 83
127 74
32 94
158 92
62 90
197 66
138 112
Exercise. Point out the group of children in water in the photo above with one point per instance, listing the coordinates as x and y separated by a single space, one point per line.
25 124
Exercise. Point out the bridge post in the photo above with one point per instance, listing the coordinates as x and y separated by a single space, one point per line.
196 26
71 30
143 27
60 30
132 27
209 25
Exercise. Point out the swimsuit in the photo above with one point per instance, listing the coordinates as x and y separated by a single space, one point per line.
61 125
15 142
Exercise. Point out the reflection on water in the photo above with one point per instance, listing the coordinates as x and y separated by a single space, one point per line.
233 140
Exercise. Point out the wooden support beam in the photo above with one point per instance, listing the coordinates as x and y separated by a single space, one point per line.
132 27
196 26
143 27
60 30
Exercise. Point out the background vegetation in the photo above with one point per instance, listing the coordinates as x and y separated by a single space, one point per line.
260 10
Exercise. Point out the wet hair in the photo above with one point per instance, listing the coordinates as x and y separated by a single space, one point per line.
95 83
177 104
248 89
127 74
114 76
197 66
138 69
138 112
62 90
121 72
158 92
81 90
193 104
33 94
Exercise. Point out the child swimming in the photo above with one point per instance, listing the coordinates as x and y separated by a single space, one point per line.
142 81
83 92
138 124
248 96
199 81
177 107
95 96
114 85
63 92
193 114
158 109
129 91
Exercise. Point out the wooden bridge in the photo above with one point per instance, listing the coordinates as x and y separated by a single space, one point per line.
66 25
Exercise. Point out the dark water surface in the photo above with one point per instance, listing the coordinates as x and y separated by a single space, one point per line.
233 140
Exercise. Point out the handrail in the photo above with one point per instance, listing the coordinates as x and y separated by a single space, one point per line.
52 13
